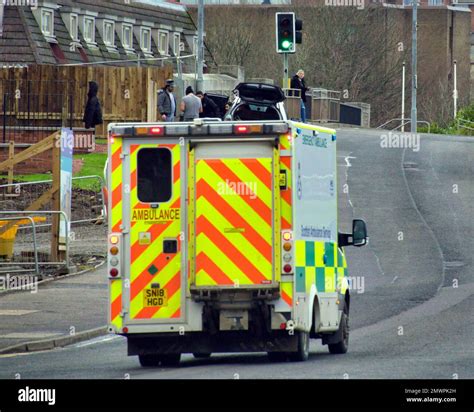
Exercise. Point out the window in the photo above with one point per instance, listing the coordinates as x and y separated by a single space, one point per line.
145 40
255 112
109 33
163 42
74 24
154 175
47 26
89 29
127 36
176 42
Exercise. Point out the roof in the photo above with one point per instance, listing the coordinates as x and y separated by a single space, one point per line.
23 42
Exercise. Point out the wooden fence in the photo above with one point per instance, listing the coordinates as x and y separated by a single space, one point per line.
40 94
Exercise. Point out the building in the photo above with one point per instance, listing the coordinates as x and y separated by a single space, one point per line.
235 2
88 31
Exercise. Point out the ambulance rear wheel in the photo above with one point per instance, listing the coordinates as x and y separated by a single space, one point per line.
342 346
302 354
202 355
149 361
171 359
277 356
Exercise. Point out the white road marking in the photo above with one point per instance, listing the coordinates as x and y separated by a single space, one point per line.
16 312
347 159
100 339
394 279
29 335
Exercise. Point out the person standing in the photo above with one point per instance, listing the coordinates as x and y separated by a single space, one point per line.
191 105
167 102
209 108
93 111
297 82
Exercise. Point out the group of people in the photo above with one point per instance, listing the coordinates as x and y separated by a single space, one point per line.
193 105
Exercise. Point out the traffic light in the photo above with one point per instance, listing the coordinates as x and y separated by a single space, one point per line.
298 29
285 33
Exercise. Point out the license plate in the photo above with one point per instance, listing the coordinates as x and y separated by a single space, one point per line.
155 298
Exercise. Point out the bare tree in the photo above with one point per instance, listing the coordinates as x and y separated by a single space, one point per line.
357 52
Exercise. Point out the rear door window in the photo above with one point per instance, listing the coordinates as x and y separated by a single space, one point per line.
154 174
250 112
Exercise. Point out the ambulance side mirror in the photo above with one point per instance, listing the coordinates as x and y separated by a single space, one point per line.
359 233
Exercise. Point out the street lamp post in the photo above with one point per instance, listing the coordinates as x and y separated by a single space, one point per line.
414 77
200 62
455 91
403 97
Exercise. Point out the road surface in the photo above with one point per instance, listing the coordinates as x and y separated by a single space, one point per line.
413 299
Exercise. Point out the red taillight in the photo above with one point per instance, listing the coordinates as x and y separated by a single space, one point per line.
287 268
157 130
125 330
283 326
114 272
248 129
242 129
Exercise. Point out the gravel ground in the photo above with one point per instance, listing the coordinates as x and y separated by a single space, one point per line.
88 247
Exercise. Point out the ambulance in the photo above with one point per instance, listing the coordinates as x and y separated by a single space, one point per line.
224 238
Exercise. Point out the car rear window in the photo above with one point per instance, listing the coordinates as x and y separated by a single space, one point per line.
247 111
154 175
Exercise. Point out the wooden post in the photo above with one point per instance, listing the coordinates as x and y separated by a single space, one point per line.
11 155
56 254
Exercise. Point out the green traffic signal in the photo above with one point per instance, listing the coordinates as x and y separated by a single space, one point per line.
285 44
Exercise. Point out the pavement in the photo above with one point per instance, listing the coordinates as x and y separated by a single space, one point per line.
54 314
411 314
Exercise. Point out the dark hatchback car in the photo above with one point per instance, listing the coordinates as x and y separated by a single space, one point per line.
257 101
221 101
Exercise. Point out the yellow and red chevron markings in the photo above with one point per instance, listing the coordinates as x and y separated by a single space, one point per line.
148 263
286 201
233 230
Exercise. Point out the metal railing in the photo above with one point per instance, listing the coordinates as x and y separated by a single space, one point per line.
98 210
35 246
404 122
30 215
465 124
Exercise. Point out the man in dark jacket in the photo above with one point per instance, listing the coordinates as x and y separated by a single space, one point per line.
167 102
209 108
297 82
93 112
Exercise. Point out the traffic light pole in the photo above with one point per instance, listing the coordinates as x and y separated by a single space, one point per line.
285 71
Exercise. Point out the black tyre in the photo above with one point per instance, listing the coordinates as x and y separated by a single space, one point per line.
202 355
149 361
171 359
303 348
277 356
342 346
